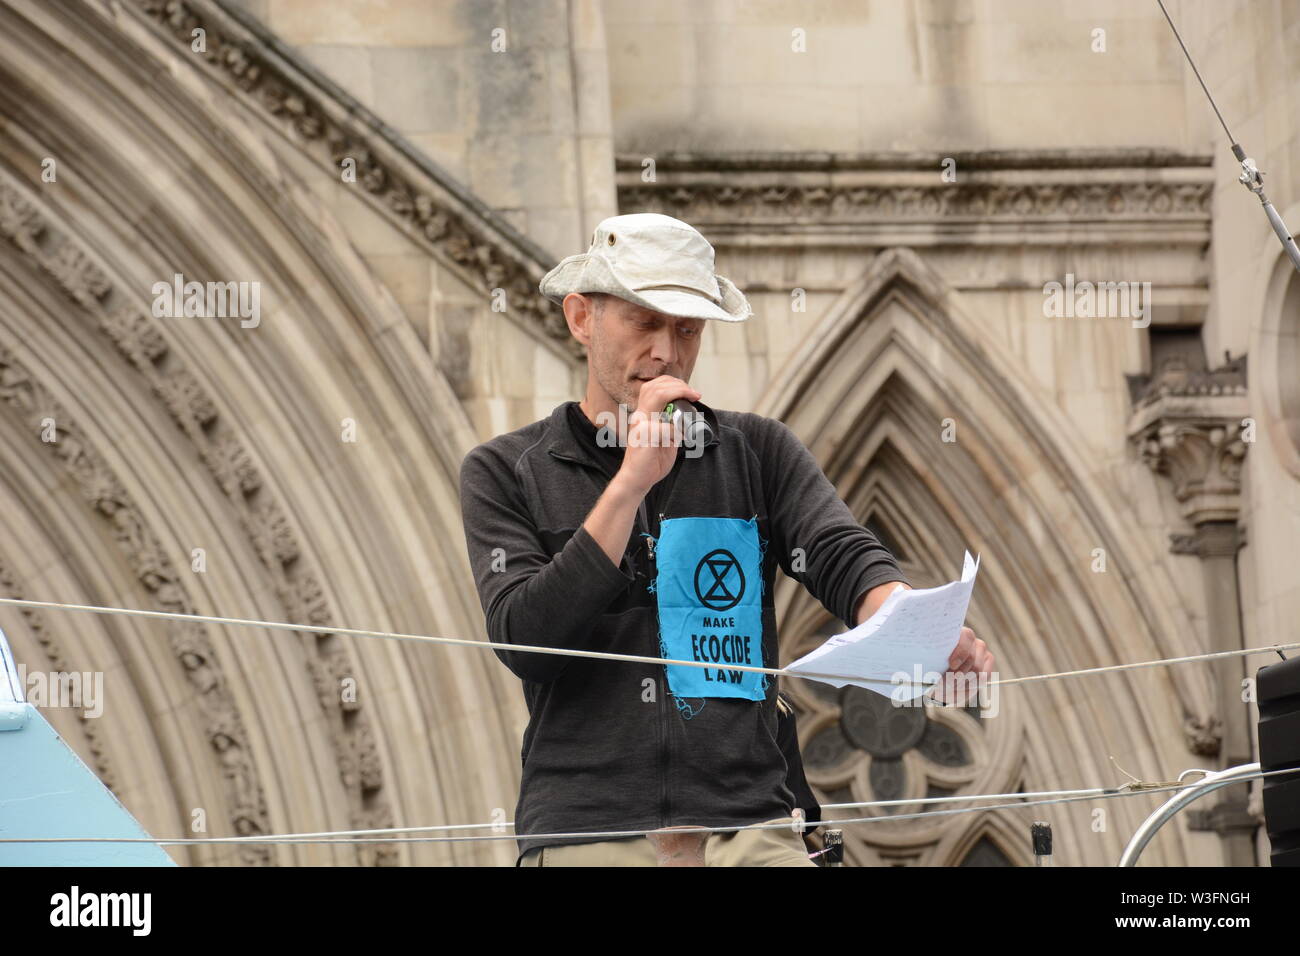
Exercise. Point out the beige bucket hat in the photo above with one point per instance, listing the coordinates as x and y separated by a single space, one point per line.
654 261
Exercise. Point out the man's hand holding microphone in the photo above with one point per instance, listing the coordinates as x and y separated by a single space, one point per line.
648 455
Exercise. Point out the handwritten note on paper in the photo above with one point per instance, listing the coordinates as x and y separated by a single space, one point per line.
913 633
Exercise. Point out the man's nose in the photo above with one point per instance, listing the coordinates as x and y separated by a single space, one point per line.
664 346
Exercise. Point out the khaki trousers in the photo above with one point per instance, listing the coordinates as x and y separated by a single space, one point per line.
776 847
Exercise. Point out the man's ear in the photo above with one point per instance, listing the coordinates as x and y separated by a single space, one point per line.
579 313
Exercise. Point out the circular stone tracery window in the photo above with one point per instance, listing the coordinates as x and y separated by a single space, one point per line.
905 751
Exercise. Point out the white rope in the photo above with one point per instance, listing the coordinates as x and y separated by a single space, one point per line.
353 836
1095 791
1212 656
454 641
1091 791
825 806
633 658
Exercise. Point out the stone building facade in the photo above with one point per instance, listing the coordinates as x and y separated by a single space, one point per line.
894 185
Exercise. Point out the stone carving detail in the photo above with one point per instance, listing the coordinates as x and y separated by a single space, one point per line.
1204 735
1189 426
189 642
822 189
10 587
819 202
186 400
420 208
1203 458
77 274
229 463
20 222
272 537
138 339
135 334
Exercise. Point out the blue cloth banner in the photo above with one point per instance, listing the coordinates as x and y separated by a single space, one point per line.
709 588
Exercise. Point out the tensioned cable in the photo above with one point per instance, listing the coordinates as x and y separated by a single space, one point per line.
616 834
332 836
1093 791
1195 70
454 641
1251 176
1213 655
631 658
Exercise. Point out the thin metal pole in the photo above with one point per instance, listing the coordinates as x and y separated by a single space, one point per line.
1195 791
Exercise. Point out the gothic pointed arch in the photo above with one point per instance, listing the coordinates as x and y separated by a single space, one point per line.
203 466
944 443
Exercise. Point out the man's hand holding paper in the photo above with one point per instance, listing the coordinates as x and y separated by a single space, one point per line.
915 633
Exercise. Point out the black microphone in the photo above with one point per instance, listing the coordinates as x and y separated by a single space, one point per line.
696 432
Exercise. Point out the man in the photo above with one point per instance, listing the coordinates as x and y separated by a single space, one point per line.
601 528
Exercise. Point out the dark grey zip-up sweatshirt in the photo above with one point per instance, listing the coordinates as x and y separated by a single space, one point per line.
607 747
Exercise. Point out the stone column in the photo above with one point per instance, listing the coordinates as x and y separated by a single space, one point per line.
1192 432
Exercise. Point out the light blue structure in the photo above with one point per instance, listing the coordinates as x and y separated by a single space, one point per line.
46 791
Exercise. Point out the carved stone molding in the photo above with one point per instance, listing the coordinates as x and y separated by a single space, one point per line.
701 201
1193 427
223 725
1202 455
426 203
11 587
56 253
1110 190
1210 539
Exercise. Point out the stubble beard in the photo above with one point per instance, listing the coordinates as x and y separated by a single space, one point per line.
613 382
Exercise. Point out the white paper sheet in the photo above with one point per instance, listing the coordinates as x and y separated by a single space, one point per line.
911 635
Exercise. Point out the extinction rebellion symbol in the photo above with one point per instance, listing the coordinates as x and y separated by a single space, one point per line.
719 582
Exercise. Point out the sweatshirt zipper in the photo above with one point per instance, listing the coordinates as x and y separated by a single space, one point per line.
645 523
665 813
663 721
